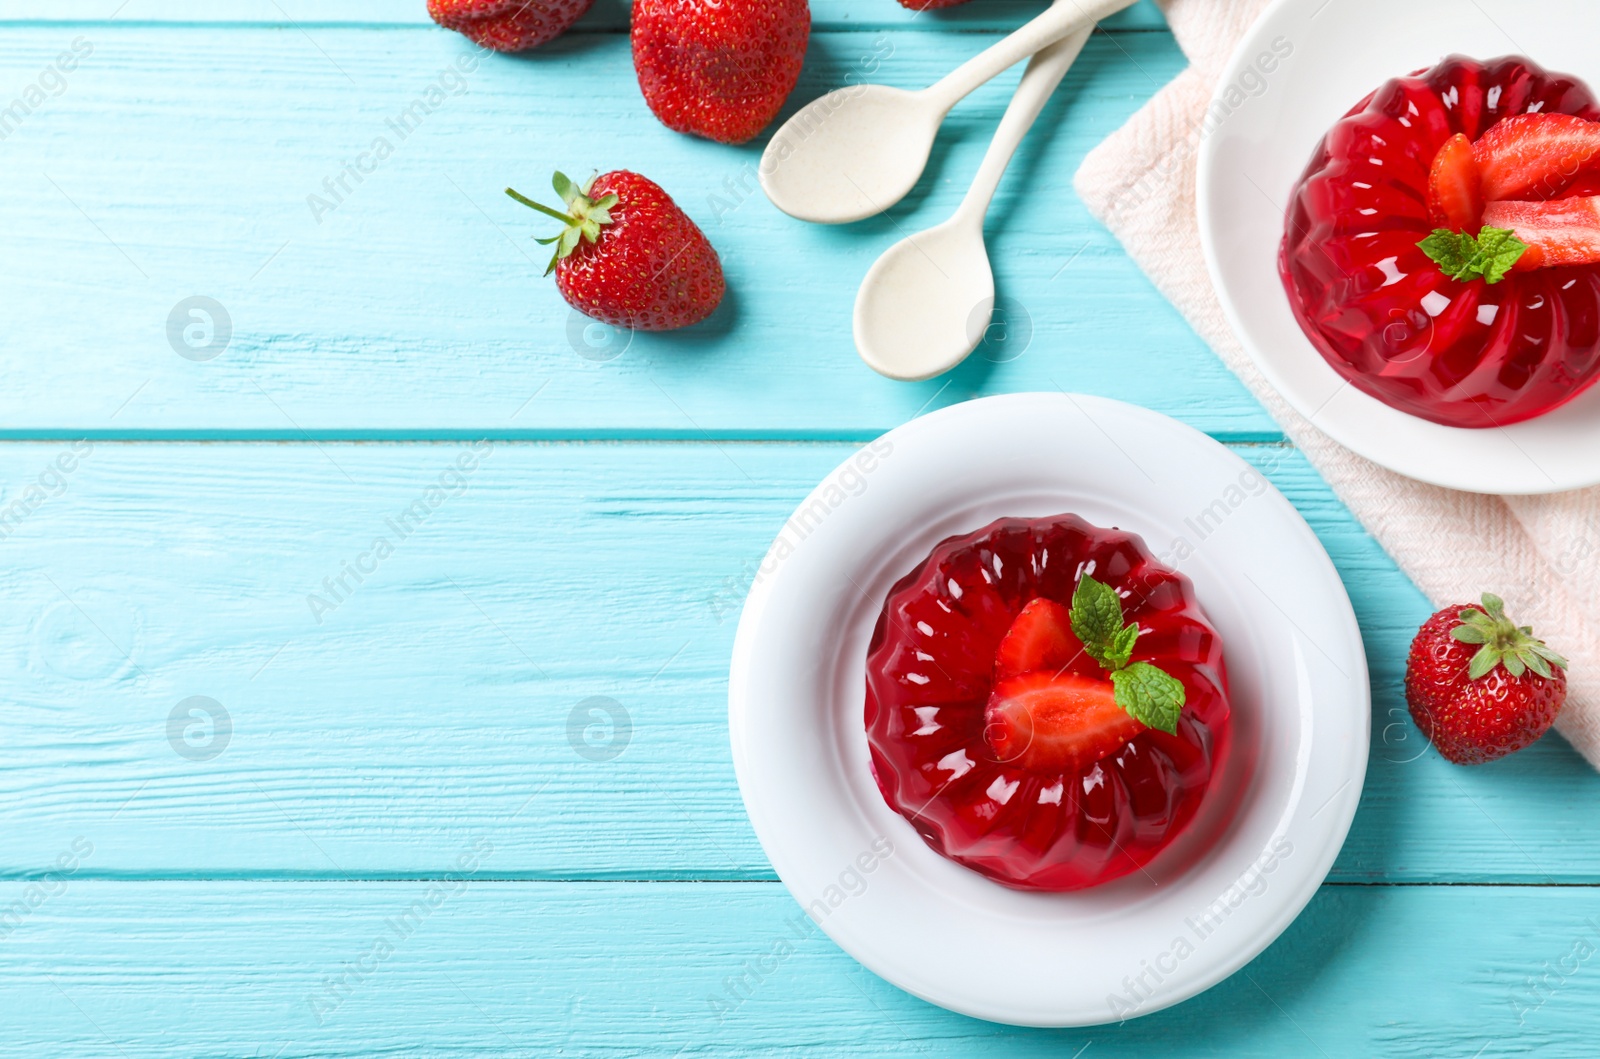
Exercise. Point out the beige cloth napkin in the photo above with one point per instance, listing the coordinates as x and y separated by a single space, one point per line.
1542 554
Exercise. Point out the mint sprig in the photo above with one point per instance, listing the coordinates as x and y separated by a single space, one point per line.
1096 617
1150 696
1461 257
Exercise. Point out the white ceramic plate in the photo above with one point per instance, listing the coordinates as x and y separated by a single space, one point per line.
1266 833
1249 163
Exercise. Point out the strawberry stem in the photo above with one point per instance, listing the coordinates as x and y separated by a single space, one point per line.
564 218
582 222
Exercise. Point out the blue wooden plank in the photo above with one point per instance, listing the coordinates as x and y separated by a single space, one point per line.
415 307
605 16
336 971
373 729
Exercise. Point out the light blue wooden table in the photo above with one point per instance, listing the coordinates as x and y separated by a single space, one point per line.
391 829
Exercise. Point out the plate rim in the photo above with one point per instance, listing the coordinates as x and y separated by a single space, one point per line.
1344 802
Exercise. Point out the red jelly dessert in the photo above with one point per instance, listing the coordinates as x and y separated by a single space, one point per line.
1442 251
1046 703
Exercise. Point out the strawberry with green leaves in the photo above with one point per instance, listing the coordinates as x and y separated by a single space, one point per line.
628 256
1480 686
1043 717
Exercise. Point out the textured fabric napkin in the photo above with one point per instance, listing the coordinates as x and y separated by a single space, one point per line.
1542 554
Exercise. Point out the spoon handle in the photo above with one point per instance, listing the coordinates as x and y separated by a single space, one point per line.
1039 82
1049 27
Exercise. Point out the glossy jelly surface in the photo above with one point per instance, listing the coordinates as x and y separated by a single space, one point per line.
930 670
1465 354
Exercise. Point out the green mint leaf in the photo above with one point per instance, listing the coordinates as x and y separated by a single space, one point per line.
1498 250
1096 617
1122 646
1451 251
1150 696
1461 257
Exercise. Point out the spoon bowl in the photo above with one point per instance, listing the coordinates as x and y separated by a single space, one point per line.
926 303
850 154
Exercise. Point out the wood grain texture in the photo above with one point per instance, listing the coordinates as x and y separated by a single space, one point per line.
434 701
435 709
180 163
606 16
156 970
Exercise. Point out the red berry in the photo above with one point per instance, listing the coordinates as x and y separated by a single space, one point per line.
508 25
1563 232
1050 723
1478 686
1465 353
1455 200
719 68
1029 777
1536 155
1040 639
629 256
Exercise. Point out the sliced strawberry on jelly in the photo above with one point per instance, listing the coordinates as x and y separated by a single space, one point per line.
1536 155
1040 640
1562 232
1455 195
1050 723
1586 185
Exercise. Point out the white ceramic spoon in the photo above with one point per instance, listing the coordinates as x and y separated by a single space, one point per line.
926 303
857 151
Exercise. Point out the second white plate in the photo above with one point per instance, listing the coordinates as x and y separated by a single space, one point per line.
1268 830
1338 52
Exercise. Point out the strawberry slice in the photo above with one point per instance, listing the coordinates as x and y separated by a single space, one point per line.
1048 723
1455 199
1535 155
1040 639
1563 232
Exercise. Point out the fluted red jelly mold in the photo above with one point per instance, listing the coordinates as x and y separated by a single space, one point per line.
930 669
1465 354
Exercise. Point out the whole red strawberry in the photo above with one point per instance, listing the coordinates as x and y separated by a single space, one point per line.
1478 686
719 68
508 25
629 256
